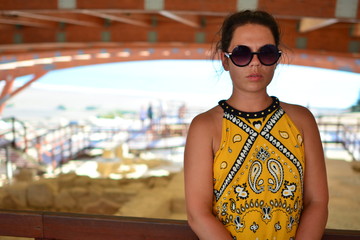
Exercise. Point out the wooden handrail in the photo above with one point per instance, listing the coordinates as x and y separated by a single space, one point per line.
72 226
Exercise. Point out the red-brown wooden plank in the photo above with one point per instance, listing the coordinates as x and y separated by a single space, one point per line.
69 226
78 226
20 224
335 234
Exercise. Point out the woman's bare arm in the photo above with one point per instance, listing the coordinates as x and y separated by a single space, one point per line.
315 210
199 180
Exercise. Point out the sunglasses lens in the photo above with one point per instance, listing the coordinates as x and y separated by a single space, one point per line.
268 55
241 55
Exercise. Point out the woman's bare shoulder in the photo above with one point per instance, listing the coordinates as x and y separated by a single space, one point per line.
208 118
302 116
296 111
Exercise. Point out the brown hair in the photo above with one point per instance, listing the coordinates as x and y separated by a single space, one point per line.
245 17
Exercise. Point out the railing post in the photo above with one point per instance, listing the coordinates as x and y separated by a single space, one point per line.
8 164
39 149
70 142
25 138
13 142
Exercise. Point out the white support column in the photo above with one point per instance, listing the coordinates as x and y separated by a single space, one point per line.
154 4
346 8
66 4
246 5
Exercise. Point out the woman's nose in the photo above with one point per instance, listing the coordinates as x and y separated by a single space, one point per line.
255 61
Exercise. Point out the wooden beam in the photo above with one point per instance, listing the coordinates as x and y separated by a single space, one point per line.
36 77
23 22
115 18
5 93
311 24
53 18
180 19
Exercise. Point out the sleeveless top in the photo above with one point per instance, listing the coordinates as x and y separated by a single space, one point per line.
258 174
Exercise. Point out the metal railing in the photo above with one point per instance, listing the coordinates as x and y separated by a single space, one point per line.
61 143
53 145
346 134
58 144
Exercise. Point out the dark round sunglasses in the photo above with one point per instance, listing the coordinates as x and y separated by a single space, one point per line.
241 55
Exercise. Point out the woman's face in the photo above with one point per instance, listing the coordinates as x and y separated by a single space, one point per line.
254 77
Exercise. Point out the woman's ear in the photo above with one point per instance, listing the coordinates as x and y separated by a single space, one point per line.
224 61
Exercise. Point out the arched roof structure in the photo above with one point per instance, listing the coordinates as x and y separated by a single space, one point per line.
39 36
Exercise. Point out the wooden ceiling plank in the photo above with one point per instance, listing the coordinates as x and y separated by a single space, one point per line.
180 19
54 18
311 24
356 31
115 18
23 22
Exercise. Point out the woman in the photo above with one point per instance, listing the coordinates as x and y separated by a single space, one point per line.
254 166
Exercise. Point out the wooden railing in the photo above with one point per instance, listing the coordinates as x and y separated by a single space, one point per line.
70 226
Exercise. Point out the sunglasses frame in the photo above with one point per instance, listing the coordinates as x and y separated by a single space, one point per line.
229 55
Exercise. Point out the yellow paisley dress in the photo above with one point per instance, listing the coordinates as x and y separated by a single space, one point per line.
258 174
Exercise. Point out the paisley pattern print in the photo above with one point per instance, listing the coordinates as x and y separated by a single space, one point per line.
255 183
258 174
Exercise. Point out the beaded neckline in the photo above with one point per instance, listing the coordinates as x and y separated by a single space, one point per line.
274 105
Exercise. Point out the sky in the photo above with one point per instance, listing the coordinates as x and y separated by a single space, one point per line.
204 82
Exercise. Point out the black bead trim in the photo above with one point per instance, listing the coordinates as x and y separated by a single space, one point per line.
227 108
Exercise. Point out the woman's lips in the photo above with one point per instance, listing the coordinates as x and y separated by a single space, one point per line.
254 76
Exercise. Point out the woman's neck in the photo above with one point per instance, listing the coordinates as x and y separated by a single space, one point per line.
250 102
